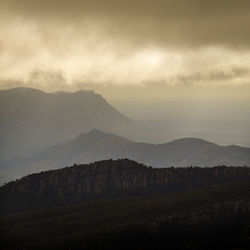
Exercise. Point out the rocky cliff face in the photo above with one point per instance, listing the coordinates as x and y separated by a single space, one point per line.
110 179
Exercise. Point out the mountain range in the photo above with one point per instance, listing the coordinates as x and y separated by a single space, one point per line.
37 131
32 120
97 145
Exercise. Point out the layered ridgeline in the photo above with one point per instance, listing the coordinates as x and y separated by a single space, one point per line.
31 120
97 145
107 179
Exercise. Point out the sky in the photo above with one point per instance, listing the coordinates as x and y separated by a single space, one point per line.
159 48
180 66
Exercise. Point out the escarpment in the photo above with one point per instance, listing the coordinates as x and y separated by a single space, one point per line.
109 178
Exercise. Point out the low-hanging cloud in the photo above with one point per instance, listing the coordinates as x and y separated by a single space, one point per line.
59 43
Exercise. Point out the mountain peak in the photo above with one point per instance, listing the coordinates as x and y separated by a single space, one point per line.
77 92
23 90
94 135
192 141
29 90
96 131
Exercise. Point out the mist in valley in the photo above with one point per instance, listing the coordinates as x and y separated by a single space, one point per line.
224 121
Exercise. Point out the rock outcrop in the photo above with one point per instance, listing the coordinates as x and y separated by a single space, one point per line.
110 178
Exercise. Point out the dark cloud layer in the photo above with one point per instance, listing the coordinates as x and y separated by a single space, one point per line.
56 44
169 22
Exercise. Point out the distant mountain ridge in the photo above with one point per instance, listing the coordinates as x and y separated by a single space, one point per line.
97 145
31 120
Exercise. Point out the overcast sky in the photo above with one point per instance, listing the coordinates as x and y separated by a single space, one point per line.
174 44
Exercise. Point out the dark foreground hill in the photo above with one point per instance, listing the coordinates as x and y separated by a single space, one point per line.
215 217
108 179
97 145
125 205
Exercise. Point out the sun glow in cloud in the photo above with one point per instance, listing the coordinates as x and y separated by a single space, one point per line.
70 58
153 58
56 46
